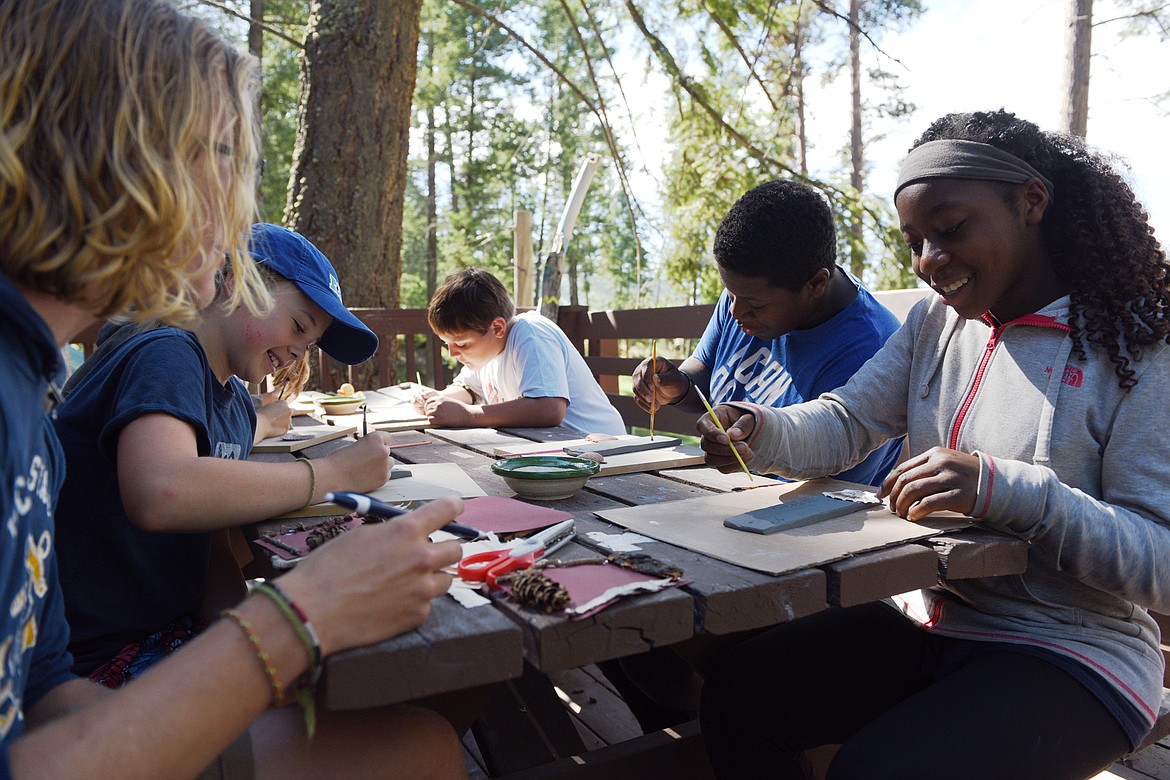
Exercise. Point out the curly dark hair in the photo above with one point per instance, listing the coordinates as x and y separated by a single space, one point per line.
1097 233
782 230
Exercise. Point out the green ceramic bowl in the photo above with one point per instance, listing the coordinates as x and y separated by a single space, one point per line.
341 404
545 477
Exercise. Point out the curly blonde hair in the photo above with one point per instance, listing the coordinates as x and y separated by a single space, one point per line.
128 135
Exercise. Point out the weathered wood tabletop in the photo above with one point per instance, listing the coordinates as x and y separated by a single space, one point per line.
459 648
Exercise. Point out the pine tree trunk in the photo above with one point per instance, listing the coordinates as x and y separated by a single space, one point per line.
432 249
255 31
798 78
856 147
1078 49
349 165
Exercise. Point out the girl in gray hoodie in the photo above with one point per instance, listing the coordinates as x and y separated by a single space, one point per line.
1032 392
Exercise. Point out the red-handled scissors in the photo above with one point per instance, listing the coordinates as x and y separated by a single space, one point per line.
490 566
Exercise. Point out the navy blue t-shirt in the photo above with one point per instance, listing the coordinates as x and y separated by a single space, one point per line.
33 632
800 365
122 583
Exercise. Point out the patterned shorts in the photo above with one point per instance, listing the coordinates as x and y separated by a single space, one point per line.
136 657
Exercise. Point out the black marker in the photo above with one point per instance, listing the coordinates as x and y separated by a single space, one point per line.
366 505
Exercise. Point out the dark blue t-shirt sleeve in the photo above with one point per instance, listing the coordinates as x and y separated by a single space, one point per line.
164 375
52 662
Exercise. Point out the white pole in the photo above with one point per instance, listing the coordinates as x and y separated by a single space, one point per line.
523 290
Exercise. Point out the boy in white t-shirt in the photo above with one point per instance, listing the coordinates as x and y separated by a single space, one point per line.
517 368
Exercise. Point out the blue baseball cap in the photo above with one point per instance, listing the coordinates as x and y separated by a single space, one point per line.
293 256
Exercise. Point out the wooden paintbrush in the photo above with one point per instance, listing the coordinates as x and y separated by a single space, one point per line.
718 424
653 371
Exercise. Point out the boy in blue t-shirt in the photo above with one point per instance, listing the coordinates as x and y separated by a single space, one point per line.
790 325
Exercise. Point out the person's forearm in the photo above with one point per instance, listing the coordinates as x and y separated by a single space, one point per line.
177 717
458 393
174 497
689 401
522 413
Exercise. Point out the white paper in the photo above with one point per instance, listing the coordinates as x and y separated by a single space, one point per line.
626 542
645 586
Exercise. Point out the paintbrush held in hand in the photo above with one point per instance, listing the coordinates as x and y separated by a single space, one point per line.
719 425
653 398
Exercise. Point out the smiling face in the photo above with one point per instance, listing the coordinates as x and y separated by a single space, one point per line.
763 310
259 346
476 350
976 249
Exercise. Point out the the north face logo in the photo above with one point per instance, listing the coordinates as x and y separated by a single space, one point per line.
1073 376
335 286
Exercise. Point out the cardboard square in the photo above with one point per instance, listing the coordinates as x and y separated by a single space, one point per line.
697 524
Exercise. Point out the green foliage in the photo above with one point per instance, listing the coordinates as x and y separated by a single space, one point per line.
281 91
510 133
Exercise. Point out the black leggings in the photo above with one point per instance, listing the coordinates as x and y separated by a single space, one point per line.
900 705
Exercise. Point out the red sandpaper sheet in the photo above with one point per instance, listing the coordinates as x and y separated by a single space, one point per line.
503 515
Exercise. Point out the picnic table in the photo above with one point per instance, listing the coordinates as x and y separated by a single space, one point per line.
459 648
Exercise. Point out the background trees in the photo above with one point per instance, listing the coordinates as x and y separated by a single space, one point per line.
509 98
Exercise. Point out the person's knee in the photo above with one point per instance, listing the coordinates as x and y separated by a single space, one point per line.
430 735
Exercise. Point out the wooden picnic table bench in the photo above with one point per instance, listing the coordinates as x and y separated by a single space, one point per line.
459 648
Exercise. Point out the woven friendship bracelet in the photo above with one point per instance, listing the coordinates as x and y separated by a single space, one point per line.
304 685
300 623
312 483
265 661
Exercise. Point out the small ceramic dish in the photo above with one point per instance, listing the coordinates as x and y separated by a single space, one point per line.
545 477
341 404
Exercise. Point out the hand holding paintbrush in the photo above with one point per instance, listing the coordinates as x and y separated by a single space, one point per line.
712 429
658 383
653 402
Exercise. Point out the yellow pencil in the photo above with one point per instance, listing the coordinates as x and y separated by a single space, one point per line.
718 424
653 371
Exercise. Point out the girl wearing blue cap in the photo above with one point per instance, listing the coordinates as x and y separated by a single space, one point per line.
164 415
1029 387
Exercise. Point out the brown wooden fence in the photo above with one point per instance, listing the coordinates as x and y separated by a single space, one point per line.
612 342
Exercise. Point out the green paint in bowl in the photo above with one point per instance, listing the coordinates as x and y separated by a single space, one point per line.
545 477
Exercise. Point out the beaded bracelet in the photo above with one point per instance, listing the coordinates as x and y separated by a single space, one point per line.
265 661
312 483
304 685
300 623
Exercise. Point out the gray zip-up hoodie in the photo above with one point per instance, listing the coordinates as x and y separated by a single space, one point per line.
1068 461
